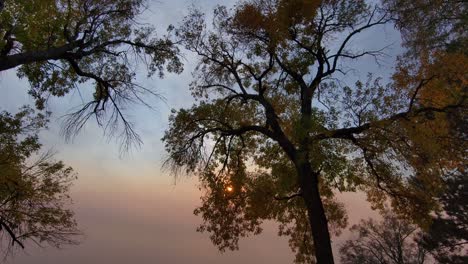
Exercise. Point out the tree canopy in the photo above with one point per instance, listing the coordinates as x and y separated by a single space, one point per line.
34 188
269 97
59 45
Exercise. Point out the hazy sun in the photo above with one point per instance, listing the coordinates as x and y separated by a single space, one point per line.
229 189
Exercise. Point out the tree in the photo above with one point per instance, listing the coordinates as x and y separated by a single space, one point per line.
34 189
434 33
387 242
267 90
446 237
60 44
398 241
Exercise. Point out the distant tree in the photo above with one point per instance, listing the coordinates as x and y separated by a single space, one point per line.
61 44
267 91
387 242
34 189
447 237
398 241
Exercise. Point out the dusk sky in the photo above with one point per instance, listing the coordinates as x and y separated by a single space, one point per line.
130 209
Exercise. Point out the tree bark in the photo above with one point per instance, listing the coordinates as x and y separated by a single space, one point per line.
308 181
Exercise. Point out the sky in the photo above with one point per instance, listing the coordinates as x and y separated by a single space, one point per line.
128 207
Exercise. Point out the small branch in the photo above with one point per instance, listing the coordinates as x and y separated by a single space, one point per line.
11 233
420 85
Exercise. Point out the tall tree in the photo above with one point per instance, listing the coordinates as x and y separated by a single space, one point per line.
266 89
34 189
61 44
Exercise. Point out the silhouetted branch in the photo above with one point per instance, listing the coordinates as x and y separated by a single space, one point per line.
287 198
13 237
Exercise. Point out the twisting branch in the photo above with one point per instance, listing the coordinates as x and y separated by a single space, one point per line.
340 53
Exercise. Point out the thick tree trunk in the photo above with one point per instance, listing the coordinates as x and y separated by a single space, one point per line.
317 219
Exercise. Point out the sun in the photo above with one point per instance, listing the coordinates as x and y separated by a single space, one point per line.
229 189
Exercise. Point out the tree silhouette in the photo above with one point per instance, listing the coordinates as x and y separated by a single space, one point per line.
387 242
446 237
398 241
34 189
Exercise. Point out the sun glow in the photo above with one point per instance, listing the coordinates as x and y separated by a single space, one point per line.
229 189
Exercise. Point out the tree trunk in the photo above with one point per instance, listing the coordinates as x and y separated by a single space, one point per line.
318 221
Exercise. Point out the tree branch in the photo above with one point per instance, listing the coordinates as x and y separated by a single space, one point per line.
56 53
287 198
11 233
347 133
340 51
